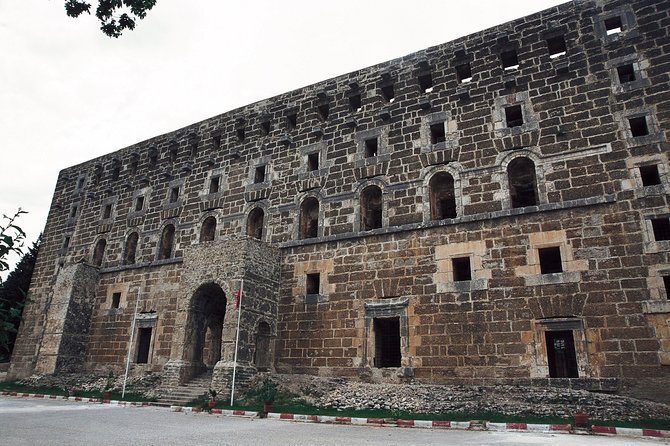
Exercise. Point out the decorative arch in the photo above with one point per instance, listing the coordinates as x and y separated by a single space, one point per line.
208 229
521 170
309 218
130 248
166 242
99 252
256 223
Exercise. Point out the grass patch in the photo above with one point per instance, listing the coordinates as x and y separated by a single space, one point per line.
13 386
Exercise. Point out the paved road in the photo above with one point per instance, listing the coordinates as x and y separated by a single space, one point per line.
44 422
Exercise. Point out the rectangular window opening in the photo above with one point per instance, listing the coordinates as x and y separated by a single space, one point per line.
437 134
387 342
313 162
323 111
626 73
266 126
426 82
214 185
116 300
107 213
638 126
259 175
561 354
666 284
217 141
550 260
514 116
613 25
371 147
661 227
462 270
509 60
143 345
73 212
388 93
463 73
649 175
66 242
292 120
240 134
139 203
313 283
355 102
80 183
174 194
556 46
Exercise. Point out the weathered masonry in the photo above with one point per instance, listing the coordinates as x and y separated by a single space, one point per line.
491 210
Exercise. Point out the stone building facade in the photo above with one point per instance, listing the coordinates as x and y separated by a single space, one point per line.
490 210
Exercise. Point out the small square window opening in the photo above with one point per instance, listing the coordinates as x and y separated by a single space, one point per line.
638 126
509 60
313 162
116 300
626 73
463 73
437 134
661 228
556 46
514 116
214 185
426 82
312 283
259 175
355 102
649 175
388 93
461 267
550 260
174 194
613 25
292 121
371 147
139 203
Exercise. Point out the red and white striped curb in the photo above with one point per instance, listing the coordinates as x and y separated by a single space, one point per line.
466 425
226 412
74 398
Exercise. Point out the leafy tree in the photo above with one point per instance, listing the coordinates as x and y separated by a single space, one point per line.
13 296
115 15
11 241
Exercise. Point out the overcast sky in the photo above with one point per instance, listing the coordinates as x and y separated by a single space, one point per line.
68 93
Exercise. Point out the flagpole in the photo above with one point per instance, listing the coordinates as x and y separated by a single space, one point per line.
237 340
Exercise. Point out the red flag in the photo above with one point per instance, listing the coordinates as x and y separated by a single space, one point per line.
237 298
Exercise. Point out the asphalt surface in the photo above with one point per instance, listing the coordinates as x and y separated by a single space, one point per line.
49 422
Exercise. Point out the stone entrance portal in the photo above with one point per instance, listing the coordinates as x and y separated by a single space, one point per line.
205 325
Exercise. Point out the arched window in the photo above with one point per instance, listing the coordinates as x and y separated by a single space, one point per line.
208 230
522 183
442 197
99 252
255 223
309 218
167 240
371 208
131 249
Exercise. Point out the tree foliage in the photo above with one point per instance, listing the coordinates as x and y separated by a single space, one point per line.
115 16
13 297
13 291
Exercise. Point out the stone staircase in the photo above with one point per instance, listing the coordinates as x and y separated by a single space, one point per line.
197 387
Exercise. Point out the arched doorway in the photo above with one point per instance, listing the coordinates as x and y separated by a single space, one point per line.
205 325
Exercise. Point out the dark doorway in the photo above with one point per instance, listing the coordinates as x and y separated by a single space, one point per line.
143 345
561 354
205 325
387 342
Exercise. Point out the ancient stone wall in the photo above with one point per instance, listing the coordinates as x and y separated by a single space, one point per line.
474 212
